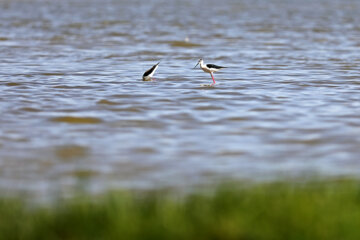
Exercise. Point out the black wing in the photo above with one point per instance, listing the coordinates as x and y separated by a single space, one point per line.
148 72
214 66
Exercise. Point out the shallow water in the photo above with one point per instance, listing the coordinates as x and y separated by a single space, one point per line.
76 113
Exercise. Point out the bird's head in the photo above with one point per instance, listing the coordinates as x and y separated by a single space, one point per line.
200 61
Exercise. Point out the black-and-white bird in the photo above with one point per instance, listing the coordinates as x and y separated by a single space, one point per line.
147 76
209 68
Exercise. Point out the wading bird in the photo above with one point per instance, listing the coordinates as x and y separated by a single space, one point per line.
147 76
209 68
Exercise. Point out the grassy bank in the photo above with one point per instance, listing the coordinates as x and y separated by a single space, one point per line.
312 210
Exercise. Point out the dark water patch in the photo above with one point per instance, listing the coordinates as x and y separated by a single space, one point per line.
238 119
232 94
207 108
51 73
137 96
76 25
83 173
321 30
57 39
107 102
106 23
128 109
143 53
197 99
169 100
63 87
118 34
184 44
229 153
259 109
13 84
139 124
110 56
26 75
309 141
180 116
30 109
66 110
77 120
349 67
21 23
275 44
71 152
262 30
144 150
73 87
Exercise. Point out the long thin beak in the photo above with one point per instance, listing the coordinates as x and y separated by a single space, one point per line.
196 64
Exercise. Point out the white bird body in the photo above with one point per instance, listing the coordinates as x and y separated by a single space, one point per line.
209 68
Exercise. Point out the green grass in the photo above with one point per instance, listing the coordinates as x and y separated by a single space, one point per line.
313 210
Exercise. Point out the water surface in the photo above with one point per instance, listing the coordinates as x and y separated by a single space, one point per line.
74 110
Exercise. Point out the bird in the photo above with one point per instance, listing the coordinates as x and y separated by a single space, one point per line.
147 76
209 68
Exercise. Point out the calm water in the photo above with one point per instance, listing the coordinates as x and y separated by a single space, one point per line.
75 111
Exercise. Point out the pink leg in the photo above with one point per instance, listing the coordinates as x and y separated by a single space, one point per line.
212 79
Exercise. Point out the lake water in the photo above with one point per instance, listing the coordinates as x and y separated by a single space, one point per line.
74 111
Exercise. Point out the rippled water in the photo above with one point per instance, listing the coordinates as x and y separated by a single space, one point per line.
75 111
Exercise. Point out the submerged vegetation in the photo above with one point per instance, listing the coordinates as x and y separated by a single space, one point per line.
312 210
